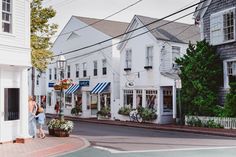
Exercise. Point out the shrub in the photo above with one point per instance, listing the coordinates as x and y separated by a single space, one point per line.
76 110
230 104
105 111
124 111
147 114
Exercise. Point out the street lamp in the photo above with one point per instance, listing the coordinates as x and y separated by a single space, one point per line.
61 65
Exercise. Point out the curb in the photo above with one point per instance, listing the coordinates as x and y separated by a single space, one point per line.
197 130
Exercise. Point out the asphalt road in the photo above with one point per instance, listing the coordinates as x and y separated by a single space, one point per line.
120 141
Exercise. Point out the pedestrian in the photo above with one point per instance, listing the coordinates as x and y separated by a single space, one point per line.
41 120
32 111
57 107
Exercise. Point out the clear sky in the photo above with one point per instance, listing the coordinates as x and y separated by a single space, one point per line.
103 8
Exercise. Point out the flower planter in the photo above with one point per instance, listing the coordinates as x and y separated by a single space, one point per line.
57 87
51 132
61 133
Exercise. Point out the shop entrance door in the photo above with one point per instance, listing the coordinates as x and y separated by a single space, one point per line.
94 105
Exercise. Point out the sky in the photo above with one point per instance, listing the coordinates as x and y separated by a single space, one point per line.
103 8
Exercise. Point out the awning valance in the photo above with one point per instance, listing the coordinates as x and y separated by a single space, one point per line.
72 89
100 87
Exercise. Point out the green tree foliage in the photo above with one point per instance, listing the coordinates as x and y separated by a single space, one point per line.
230 104
201 75
41 32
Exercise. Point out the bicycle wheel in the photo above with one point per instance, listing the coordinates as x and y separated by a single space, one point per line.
139 118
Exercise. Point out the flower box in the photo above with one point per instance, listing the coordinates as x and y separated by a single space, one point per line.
51 132
61 133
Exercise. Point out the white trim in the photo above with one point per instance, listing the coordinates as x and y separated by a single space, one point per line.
225 72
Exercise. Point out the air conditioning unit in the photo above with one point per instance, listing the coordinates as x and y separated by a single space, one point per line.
130 84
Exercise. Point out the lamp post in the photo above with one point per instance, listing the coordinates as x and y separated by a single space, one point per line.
61 65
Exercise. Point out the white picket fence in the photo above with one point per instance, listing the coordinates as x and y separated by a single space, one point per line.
226 122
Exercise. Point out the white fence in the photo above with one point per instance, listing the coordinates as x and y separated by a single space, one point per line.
227 123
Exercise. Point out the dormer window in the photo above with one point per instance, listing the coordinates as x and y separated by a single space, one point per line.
149 57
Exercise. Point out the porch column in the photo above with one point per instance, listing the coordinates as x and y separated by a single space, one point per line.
84 103
174 101
99 102
105 100
160 104
143 98
134 99
73 100
24 131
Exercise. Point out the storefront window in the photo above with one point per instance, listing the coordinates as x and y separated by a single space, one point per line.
151 99
49 99
167 99
105 100
138 98
11 103
94 102
128 98
68 100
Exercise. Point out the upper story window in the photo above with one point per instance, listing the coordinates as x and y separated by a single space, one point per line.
50 74
7 16
68 71
175 54
222 27
128 59
149 57
95 68
104 66
84 69
76 70
55 73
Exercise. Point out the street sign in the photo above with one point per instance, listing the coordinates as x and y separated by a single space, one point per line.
50 84
84 83
178 84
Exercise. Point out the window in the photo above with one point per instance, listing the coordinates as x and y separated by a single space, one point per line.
231 71
50 74
128 98
68 100
167 99
151 99
149 56
228 20
95 68
7 16
76 70
37 80
175 54
128 59
84 70
222 26
55 73
104 66
11 103
138 98
68 71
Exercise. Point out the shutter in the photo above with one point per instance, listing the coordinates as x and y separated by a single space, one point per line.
216 28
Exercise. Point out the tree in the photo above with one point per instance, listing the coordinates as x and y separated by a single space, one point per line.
201 76
230 104
41 33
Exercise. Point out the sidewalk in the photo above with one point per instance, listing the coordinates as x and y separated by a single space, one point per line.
169 127
50 146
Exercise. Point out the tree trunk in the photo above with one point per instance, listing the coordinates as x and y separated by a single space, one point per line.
33 81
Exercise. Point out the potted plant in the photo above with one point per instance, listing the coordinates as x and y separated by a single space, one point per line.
105 112
76 110
147 114
60 128
124 111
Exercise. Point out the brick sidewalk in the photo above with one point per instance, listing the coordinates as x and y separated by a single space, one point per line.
171 127
50 146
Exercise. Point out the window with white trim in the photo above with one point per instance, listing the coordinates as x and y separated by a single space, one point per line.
167 99
84 69
55 73
104 66
128 59
76 70
175 54
68 71
95 68
231 71
128 98
139 98
7 16
149 56
151 99
222 27
50 74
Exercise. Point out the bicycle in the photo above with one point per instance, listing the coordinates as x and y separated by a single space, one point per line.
135 116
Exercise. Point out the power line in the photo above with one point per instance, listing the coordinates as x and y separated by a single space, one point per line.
155 21
100 20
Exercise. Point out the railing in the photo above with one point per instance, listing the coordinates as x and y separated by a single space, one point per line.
226 122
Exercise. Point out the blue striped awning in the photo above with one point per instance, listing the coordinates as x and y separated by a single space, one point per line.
100 87
72 89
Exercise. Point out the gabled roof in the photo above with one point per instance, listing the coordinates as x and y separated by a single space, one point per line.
174 31
111 28
201 9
